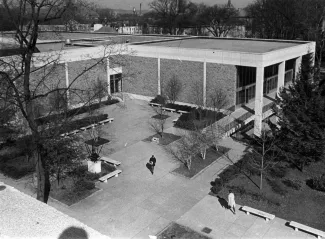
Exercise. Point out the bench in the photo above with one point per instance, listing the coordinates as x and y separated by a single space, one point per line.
258 212
314 231
168 109
182 112
73 132
110 120
111 161
88 127
175 120
112 174
154 104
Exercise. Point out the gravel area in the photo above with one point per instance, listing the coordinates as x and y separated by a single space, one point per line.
22 216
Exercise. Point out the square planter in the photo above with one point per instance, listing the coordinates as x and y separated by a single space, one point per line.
94 167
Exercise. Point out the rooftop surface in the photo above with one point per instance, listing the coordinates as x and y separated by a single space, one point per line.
238 45
25 217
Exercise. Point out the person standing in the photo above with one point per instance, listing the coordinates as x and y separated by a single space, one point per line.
151 164
231 201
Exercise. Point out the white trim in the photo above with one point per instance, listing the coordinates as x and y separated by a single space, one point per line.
159 86
204 84
114 71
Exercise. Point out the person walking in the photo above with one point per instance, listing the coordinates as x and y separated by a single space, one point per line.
231 202
151 164
153 160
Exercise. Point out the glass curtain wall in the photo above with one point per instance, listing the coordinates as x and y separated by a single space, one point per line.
246 77
289 71
270 78
116 83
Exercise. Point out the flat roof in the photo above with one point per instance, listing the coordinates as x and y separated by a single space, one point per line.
22 216
227 44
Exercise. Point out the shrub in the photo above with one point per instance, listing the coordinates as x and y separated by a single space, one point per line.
159 99
74 112
217 185
277 172
277 187
198 118
79 172
317 183
240 190
15 172
92 176
83 185
295 184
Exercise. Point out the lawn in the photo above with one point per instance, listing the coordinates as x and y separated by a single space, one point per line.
176 231
198 164
78 185
284 194
166 138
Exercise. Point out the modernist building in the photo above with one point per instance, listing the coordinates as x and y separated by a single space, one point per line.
246 69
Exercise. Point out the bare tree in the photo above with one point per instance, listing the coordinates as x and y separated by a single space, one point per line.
264 153
182 151
220 19
20 73
173 89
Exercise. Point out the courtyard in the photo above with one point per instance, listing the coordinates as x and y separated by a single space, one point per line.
137 204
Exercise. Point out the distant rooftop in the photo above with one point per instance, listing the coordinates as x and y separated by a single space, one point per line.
227 44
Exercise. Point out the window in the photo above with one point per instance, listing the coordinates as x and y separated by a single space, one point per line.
116 83
245 76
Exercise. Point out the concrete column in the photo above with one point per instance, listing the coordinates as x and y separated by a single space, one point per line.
108 77
259 101
204 83
297 67
67 83
159 88
281 72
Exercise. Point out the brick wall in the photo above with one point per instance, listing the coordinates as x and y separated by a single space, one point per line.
140 76
190 74
81 87
224 77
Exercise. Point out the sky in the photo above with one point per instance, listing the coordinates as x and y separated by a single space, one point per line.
129 4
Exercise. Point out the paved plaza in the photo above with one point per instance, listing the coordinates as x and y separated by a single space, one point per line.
137 204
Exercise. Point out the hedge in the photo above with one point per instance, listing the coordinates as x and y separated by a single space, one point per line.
198 118
74 112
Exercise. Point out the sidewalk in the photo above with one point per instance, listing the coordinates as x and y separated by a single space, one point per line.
224 224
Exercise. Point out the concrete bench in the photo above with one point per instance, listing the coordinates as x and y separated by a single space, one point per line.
168 109
112 174
73 132
182 112
314 231
111 161
88 127
110 120
175 120
155 104
258 212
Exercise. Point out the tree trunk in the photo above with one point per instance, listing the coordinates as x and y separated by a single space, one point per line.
261 180
43 179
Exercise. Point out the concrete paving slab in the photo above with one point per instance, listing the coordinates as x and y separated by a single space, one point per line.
153 229
259 228
245 220
237 230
